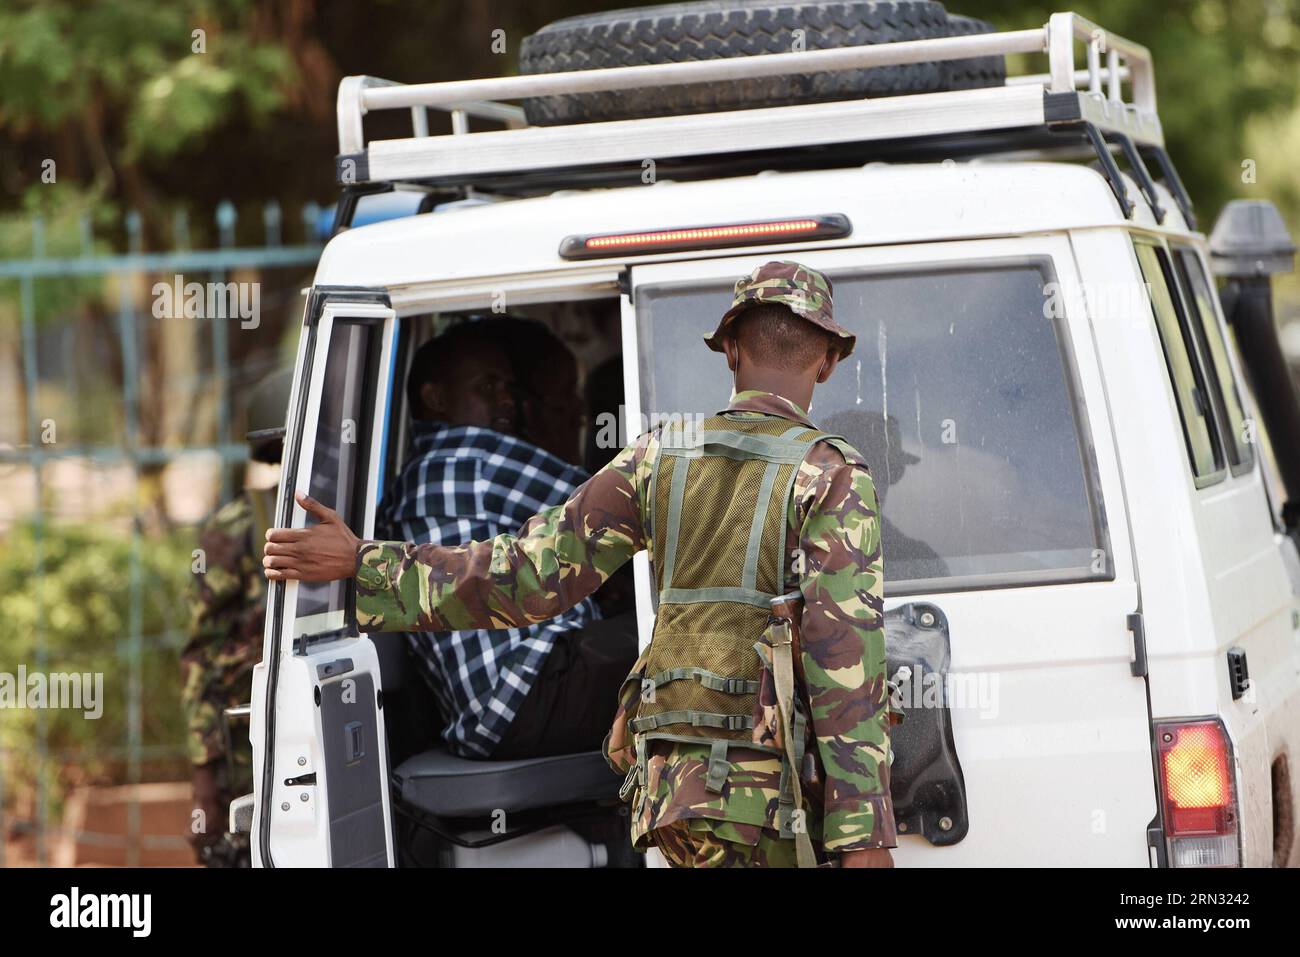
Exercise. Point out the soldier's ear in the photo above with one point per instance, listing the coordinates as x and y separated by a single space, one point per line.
732 352
829 362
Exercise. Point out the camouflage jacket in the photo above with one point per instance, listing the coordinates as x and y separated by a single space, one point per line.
564 554
227 606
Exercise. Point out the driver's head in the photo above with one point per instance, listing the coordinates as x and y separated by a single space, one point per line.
463 377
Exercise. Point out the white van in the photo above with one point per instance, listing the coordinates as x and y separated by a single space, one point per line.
1092 581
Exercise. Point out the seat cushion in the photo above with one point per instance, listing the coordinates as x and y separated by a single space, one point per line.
448 786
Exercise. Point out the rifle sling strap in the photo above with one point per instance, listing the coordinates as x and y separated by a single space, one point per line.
783 678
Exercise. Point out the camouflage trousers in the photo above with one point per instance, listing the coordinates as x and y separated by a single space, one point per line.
699 842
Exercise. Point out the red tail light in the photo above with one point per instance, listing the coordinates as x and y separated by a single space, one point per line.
754 233
1198 792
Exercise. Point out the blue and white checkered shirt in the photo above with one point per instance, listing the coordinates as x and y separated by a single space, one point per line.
464 483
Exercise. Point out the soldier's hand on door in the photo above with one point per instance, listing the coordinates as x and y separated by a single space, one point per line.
319 553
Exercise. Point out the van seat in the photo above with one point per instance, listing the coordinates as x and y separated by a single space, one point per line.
449 786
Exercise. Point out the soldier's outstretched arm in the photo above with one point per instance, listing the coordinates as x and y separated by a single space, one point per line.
843 643
559 557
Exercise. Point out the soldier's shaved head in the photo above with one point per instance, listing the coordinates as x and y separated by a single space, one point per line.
772 336
771 348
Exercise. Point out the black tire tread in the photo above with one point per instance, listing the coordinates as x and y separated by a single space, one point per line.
978 72
712 29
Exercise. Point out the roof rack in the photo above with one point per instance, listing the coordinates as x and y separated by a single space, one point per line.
1065 106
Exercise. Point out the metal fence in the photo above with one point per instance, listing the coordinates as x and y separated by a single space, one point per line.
107 389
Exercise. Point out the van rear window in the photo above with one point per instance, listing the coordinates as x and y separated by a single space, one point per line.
960 396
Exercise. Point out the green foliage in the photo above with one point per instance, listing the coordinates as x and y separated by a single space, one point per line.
117 89
136 61
80 607
1219 63
191 97
1275 141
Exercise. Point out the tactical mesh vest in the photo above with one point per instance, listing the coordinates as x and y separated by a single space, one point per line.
718 500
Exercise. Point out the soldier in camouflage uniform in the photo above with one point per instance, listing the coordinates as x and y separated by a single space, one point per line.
227 608
780 339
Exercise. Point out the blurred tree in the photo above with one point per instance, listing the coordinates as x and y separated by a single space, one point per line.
114 92
129 101
117 95
1219 63
105 89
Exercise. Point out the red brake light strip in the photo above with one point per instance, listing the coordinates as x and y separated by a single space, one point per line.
696 237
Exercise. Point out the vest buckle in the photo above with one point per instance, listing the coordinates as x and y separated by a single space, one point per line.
719 768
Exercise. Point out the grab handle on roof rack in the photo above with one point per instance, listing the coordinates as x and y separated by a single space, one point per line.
1108 167
1175 184
1140 171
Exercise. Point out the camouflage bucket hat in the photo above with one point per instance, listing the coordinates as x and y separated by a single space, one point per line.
806 291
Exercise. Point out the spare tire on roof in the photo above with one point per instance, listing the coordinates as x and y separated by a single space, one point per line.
713 29
978 72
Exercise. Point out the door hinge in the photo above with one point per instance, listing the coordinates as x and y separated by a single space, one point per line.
1238 672
625 283
1138 666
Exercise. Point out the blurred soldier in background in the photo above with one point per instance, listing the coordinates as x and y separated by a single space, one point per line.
227 608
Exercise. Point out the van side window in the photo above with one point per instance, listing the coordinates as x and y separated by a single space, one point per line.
1189 385
342 451
1197 291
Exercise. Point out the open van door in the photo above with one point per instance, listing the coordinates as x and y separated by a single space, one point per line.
983 416
320 755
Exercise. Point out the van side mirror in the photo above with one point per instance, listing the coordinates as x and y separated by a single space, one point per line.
1249 245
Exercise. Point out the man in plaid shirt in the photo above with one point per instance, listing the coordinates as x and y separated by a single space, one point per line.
506 692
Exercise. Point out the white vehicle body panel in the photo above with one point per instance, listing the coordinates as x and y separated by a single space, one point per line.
1063 773
1209 562
461 252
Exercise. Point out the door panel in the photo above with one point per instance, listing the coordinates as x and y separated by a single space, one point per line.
981 411
323 793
